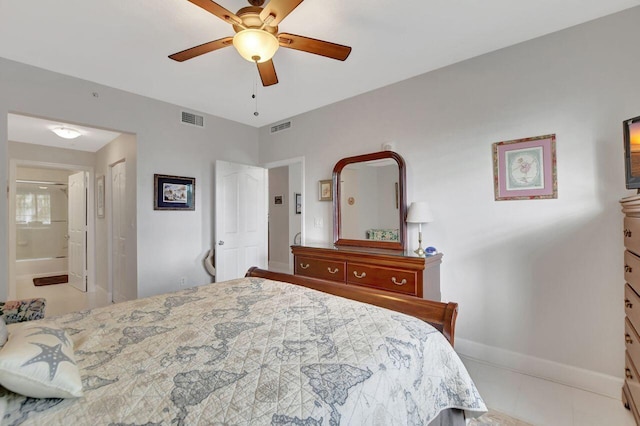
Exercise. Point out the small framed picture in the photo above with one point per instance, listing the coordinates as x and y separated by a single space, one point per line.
174 193
100 196
525 169
277 199
298 198
325 190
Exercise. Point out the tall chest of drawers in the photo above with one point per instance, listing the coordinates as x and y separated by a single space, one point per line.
388 270
631 230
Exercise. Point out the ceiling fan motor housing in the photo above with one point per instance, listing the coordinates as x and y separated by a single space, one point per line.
250 17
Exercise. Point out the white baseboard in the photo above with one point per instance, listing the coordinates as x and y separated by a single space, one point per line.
580 378
101 292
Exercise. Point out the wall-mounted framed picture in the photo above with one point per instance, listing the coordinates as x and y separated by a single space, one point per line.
174 192
100 196
277 199
525 169
325 190
298 198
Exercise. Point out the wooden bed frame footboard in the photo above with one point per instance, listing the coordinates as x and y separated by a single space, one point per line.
440 315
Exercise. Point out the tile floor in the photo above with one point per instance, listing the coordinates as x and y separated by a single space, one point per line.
61 298
541 402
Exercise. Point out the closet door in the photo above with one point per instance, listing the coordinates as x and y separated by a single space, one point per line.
77 231
119 231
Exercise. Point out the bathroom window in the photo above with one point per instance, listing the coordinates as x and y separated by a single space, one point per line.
33 207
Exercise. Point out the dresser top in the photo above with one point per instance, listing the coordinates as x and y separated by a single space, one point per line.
366 250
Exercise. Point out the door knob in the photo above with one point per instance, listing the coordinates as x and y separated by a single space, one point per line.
220 243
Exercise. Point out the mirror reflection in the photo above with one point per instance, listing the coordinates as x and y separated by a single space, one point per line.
369 204
369 201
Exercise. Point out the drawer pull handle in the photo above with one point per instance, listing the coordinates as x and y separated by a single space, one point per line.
627 373
628 268
403 282
628 339
332 272
364 274
627 233
303 266
628 304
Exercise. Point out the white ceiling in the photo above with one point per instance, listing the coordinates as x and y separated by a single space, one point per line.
124 44
38 131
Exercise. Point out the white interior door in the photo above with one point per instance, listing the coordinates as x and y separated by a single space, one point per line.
78 231
119 228
240 219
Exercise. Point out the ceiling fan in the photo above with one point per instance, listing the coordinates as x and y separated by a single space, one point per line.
257 37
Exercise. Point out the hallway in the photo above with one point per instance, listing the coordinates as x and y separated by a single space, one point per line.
61 298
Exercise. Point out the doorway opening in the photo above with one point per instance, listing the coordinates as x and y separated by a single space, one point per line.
49 203
286 211
57 222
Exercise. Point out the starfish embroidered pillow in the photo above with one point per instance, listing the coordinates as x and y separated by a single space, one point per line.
38 361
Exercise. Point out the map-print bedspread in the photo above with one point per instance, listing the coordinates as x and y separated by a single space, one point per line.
253 351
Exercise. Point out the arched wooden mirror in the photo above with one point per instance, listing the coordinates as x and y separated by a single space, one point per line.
369 201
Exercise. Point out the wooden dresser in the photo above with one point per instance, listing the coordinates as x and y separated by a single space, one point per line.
396 271
631 387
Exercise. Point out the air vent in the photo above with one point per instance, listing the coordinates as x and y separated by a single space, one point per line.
193 119
280 127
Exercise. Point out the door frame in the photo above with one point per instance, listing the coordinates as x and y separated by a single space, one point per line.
91 236
108 204
289 162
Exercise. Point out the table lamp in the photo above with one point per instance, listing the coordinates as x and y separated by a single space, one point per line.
419 212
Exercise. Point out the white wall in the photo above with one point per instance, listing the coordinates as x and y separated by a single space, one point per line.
164 145
536 280
295 220
123 148
279 216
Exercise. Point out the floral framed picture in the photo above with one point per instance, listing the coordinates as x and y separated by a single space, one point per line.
174 193
525 169
325 190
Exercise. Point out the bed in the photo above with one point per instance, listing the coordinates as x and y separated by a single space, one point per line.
266 349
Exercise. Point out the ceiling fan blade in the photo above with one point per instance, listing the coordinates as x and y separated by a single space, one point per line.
267 73
317 47
279 9
219 11
202 49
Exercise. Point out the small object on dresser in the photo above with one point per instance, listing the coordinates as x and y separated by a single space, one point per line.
430 251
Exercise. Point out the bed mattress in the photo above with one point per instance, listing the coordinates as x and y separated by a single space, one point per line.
256 352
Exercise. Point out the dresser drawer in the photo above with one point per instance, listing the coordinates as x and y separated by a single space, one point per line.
318 268
632 270
632 379
632 306
632 234
384 278
632 341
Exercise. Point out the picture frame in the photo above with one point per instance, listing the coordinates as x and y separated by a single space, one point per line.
525 169
325 190
174 192
277 199
100 196
298 199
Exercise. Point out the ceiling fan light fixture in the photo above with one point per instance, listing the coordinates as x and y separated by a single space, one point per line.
66 132
255 45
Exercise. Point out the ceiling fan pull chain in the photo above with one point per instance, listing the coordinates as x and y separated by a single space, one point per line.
255 93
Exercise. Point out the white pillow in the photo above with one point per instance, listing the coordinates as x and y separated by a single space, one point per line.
3 331
38 361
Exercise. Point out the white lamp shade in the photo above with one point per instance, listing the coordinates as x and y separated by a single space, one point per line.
419 212
66 132
255 45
